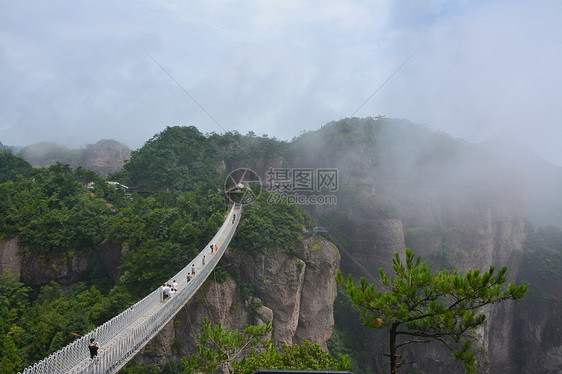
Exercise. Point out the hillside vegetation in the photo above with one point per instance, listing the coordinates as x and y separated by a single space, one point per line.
52 211
179 174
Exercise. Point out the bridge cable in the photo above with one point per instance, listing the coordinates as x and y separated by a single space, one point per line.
196 102
165 354
209 312
342 123
217 296
351 257
189 319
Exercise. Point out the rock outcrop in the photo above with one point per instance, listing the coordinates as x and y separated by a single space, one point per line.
215 301
466 229
104 157
452 203
278 279
34 268
9 256
294 292
316 315
536 347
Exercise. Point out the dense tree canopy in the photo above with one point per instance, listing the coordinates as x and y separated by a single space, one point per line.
181 157
62 211
12 167
267 225
66 211
250 350
36 322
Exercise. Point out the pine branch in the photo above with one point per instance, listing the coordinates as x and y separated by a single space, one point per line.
413 341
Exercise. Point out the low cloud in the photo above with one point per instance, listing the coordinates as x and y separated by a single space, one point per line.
75 72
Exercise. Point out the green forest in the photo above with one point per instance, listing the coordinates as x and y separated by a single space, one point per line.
176 208
65 211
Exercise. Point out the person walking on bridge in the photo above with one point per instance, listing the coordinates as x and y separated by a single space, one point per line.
93 347
167 289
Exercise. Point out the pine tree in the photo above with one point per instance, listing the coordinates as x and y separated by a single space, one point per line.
418 306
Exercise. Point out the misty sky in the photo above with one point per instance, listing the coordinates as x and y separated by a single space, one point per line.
75 72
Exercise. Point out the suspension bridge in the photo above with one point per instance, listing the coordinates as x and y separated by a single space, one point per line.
122 337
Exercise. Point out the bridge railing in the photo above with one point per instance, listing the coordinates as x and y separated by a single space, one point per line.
136 325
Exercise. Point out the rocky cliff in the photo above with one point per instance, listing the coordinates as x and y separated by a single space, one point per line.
9 256
294 292
454 204
462 230
104 157
399 185
33 268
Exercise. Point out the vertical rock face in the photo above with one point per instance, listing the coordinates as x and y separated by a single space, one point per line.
537 344
300 290
106 157
9 257
477 231
37 269
278 279
470 227
41 270
110 255
372 231
316 317
295 293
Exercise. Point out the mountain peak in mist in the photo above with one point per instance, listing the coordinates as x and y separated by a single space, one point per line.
508 146
543 178
104 157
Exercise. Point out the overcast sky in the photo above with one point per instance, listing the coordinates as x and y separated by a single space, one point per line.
75 72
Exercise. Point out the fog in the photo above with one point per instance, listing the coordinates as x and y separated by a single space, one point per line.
74 73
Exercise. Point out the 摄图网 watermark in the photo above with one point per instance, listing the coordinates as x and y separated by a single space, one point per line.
301 180
301 186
